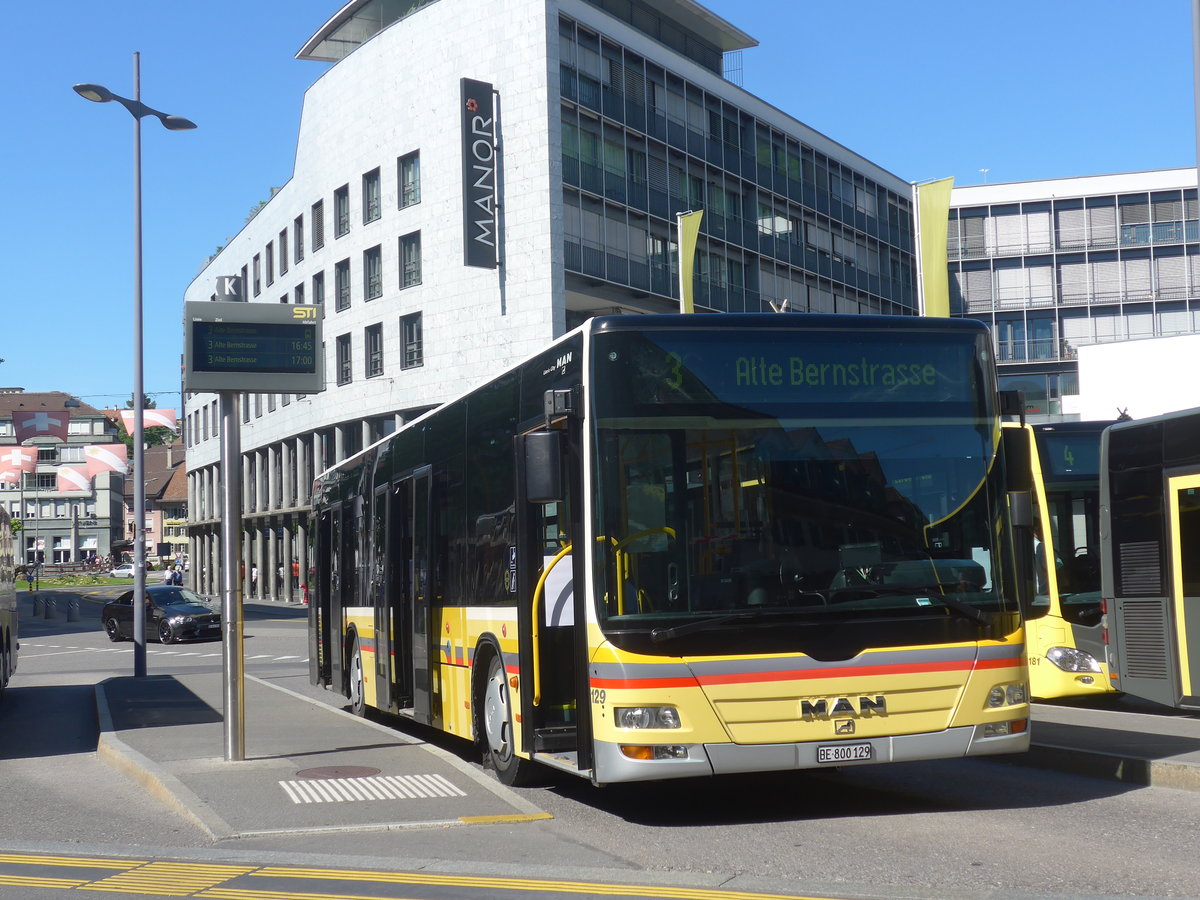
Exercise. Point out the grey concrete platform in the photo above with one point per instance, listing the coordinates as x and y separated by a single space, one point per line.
308 767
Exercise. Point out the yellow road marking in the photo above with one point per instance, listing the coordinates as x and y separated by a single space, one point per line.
175 879
34 881
80 861
488 820
527 884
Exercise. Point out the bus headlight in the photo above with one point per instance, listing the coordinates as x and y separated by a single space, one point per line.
1071 660
1007 695
646 717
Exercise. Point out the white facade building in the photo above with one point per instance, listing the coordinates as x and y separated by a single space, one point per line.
1060 267
609 119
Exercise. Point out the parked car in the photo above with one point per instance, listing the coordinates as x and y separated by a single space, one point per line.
125 570
172 614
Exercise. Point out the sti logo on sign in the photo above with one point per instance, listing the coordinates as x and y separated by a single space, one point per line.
304 312
479 174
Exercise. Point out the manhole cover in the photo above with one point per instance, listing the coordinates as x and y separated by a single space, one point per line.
338 772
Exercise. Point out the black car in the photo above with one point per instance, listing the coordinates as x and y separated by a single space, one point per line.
172 613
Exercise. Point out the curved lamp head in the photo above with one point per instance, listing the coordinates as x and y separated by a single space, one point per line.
176 123
97 93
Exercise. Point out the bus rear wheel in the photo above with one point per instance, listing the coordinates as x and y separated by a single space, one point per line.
498 728
354 677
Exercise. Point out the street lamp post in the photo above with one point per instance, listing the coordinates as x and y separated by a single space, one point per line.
100 94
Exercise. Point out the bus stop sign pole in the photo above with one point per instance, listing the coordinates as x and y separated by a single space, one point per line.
231 581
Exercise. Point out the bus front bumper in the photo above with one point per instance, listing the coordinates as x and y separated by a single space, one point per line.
613 764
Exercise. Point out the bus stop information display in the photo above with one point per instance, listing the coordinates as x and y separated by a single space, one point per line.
256 347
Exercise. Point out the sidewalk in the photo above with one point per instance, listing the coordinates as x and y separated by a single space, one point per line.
308 767
1139 743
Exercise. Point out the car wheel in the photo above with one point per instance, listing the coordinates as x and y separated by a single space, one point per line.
498 728
113 630
358 694
166 634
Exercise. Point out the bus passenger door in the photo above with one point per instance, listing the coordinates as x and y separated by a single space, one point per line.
398 593
320 624
378 596
1183 511
559 724
421 587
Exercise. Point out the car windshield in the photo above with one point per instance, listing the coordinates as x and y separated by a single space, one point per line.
178 597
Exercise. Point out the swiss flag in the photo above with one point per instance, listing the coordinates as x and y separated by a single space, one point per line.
20 459
72 479
106 458
40 423
151 418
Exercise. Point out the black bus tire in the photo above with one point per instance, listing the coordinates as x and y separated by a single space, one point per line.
355 684
497 728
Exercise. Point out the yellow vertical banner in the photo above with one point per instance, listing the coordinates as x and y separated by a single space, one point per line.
933 214
689 228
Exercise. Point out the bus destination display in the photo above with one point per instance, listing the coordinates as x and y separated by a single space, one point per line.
257 347
254 347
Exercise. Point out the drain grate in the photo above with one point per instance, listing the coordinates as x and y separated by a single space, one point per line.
378 787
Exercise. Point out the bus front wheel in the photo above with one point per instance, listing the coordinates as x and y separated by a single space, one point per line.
498 727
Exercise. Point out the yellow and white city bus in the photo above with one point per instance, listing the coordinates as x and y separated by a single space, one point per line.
1063 632
671 546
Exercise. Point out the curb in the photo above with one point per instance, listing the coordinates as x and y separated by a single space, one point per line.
1111 767
161 785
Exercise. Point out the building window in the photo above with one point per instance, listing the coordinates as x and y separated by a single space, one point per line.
257 266
298 294
341 211
341 285
283 299
270 264
344 370
370 198
283 259
410 179
373 273
410 337
298 239
410 259
318 225
374 345
318 296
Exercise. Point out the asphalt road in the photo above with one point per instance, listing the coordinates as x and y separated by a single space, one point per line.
964 828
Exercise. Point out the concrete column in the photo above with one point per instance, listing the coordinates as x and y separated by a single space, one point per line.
287 496
260 560
339 445
272 564
289 583
301 551
247 559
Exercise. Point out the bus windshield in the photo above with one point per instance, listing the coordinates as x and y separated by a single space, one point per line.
798 476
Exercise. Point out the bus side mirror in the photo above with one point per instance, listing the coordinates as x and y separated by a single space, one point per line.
543 468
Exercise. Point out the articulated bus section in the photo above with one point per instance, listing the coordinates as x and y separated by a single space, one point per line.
674 546
1150 498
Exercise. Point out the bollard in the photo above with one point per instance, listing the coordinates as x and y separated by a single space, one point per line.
73 609
37 605
49 610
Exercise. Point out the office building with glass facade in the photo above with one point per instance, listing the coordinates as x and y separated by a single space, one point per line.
1059 264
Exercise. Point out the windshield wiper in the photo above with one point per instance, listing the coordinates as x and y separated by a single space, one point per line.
658 635
934 592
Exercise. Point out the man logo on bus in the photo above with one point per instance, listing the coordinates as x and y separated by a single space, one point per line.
842 706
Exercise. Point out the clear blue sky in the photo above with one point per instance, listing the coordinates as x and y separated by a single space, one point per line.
926 89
